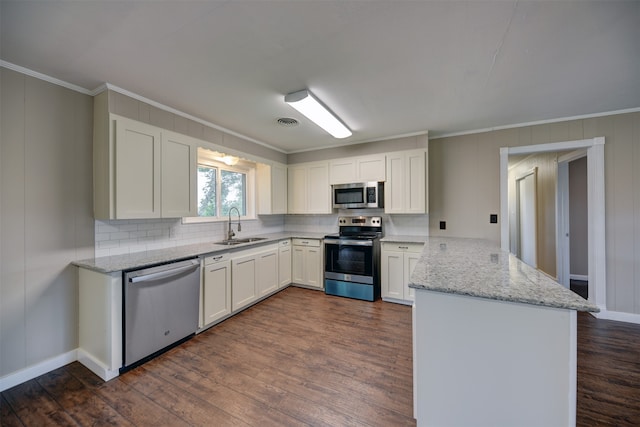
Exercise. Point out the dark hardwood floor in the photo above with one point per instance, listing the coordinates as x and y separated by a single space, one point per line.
302 358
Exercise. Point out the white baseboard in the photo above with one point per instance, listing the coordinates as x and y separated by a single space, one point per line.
36 370
579 277
96 366
618 316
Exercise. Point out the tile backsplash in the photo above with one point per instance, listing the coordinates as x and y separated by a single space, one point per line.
118 237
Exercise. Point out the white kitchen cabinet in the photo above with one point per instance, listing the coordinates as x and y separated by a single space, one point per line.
309 189
179 179
100 322
254 274
272 188
307 263
284 263
215 293
141 171
137 172
243 281
406 188
398 261
357 169
267 280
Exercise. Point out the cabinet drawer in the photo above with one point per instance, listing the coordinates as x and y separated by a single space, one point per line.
284 243
402 247
306 242
212 259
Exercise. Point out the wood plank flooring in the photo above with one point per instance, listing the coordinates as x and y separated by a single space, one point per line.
302 358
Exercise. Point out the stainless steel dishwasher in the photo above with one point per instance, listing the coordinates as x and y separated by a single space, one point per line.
160 309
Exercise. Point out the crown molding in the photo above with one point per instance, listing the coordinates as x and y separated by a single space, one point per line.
44 77
539 122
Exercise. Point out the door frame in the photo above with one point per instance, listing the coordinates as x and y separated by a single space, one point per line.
595 205
563 242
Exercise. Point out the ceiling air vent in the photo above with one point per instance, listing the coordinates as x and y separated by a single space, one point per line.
287 122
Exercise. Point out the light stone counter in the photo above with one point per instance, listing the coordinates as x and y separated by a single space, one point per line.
479 268
404 239
136 260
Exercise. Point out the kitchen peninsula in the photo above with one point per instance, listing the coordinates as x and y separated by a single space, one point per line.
494 339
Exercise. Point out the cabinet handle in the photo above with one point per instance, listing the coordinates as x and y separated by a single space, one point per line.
305 243
403 247
217 258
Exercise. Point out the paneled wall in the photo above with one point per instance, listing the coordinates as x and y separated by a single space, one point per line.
132 108
45 217
464 181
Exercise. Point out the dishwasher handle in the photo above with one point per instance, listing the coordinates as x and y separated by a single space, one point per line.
163 274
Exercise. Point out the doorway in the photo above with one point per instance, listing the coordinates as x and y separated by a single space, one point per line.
595 206
526 218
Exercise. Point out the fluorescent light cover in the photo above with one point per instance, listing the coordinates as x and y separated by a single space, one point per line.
307 104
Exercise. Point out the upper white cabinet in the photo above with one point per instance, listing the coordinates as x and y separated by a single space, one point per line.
179 163
272 189
407 182
309 189
357 169
141 171
137 169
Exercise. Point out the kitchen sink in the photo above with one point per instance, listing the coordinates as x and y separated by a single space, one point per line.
231 242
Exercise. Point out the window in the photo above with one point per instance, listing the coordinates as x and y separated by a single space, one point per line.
222 186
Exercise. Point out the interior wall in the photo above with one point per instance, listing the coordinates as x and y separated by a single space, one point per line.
578 218
547 177
45 217
375 147
464 181
132 108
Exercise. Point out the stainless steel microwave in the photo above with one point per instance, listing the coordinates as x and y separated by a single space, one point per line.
358 195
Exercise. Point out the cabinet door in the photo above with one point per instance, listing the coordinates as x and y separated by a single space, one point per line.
278 189
297 186
137 170
394 187
410 262
392 272
216 292
179 162
267 273
415 182
284 266
318 189
243 281
298 268
342 171
313 266
371 168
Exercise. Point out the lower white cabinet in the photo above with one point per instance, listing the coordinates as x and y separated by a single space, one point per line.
307 261
216 289
284 263
398 261
267 268
254 273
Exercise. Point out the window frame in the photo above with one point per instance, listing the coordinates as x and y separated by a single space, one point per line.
246 167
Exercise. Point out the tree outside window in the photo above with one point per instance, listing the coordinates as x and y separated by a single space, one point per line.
220 189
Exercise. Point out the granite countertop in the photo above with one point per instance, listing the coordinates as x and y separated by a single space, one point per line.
112 264
404 239
479 268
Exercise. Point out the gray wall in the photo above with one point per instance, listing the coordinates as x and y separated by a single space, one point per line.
45 217
578 218
137 110
464 181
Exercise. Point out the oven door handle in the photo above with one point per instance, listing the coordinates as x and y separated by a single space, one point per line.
344 242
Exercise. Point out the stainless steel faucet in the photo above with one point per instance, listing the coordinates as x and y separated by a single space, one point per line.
230 232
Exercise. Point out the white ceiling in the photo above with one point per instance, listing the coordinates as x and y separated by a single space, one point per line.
387 68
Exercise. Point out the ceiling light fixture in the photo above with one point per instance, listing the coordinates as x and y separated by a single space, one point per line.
307 104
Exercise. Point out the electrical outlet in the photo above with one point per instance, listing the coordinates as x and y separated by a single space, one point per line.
493 218
443 225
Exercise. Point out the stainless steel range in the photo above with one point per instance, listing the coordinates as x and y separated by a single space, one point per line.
352 258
